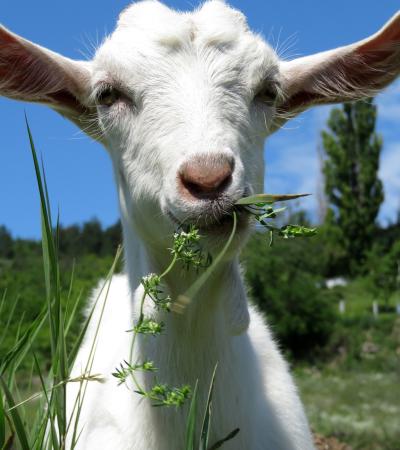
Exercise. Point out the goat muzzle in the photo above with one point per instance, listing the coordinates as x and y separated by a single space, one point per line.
205 177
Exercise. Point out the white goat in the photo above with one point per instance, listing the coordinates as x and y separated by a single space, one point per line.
183 103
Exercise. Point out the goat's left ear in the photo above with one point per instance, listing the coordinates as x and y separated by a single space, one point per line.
32 73
346 73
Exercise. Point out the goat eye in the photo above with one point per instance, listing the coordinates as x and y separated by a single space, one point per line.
267 95
108 96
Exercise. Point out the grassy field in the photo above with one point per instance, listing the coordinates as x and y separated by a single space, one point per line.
360 409
354 395
359 295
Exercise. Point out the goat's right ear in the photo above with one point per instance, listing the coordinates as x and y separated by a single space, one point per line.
32 73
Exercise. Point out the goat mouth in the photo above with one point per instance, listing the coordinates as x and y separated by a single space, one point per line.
214 224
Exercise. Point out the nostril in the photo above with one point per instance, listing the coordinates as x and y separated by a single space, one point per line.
206 177
200 187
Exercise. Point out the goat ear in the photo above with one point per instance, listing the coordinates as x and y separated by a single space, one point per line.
32 73
347 73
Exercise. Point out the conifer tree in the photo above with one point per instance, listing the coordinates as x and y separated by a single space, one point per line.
353 188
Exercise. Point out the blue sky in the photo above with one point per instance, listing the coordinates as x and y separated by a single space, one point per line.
78 170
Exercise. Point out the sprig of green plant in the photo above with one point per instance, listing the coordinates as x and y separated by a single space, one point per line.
260 206
126 369
151 285
186 250
149 326
164 395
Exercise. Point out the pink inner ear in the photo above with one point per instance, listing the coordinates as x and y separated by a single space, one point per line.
29 73
21 73
6 38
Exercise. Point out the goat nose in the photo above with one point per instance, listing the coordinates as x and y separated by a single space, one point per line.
205 177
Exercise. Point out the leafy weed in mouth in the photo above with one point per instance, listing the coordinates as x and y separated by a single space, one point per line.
186 249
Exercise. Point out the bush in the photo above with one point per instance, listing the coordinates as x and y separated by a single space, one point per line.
6 243
384 267
364 343
285 283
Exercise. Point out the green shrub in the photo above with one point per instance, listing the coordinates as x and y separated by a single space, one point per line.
365 343
384 269
285 283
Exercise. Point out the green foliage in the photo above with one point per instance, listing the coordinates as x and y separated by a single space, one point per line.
205 428
22 280
285 283
384 270
292 231
359 408
151 284
188 252
352 186
357 386
191 420
6 244
264 213
149 326
126 370
364 343
90 238
187 249
333 256
164 395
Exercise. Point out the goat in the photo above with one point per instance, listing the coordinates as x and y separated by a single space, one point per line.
183 103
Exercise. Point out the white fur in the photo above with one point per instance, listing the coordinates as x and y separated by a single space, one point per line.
190 82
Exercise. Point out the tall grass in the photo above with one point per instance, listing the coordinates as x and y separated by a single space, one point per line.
20 427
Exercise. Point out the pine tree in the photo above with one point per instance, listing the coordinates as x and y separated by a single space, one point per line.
352 186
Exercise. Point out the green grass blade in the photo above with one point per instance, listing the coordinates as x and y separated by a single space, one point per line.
9 319
49 253
16 418
74 419
268 198
191 421
70 288
72 316
53 432
53 291
2 423
18 352
3 300
220 443
46 193
205 429
78 342
184 299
